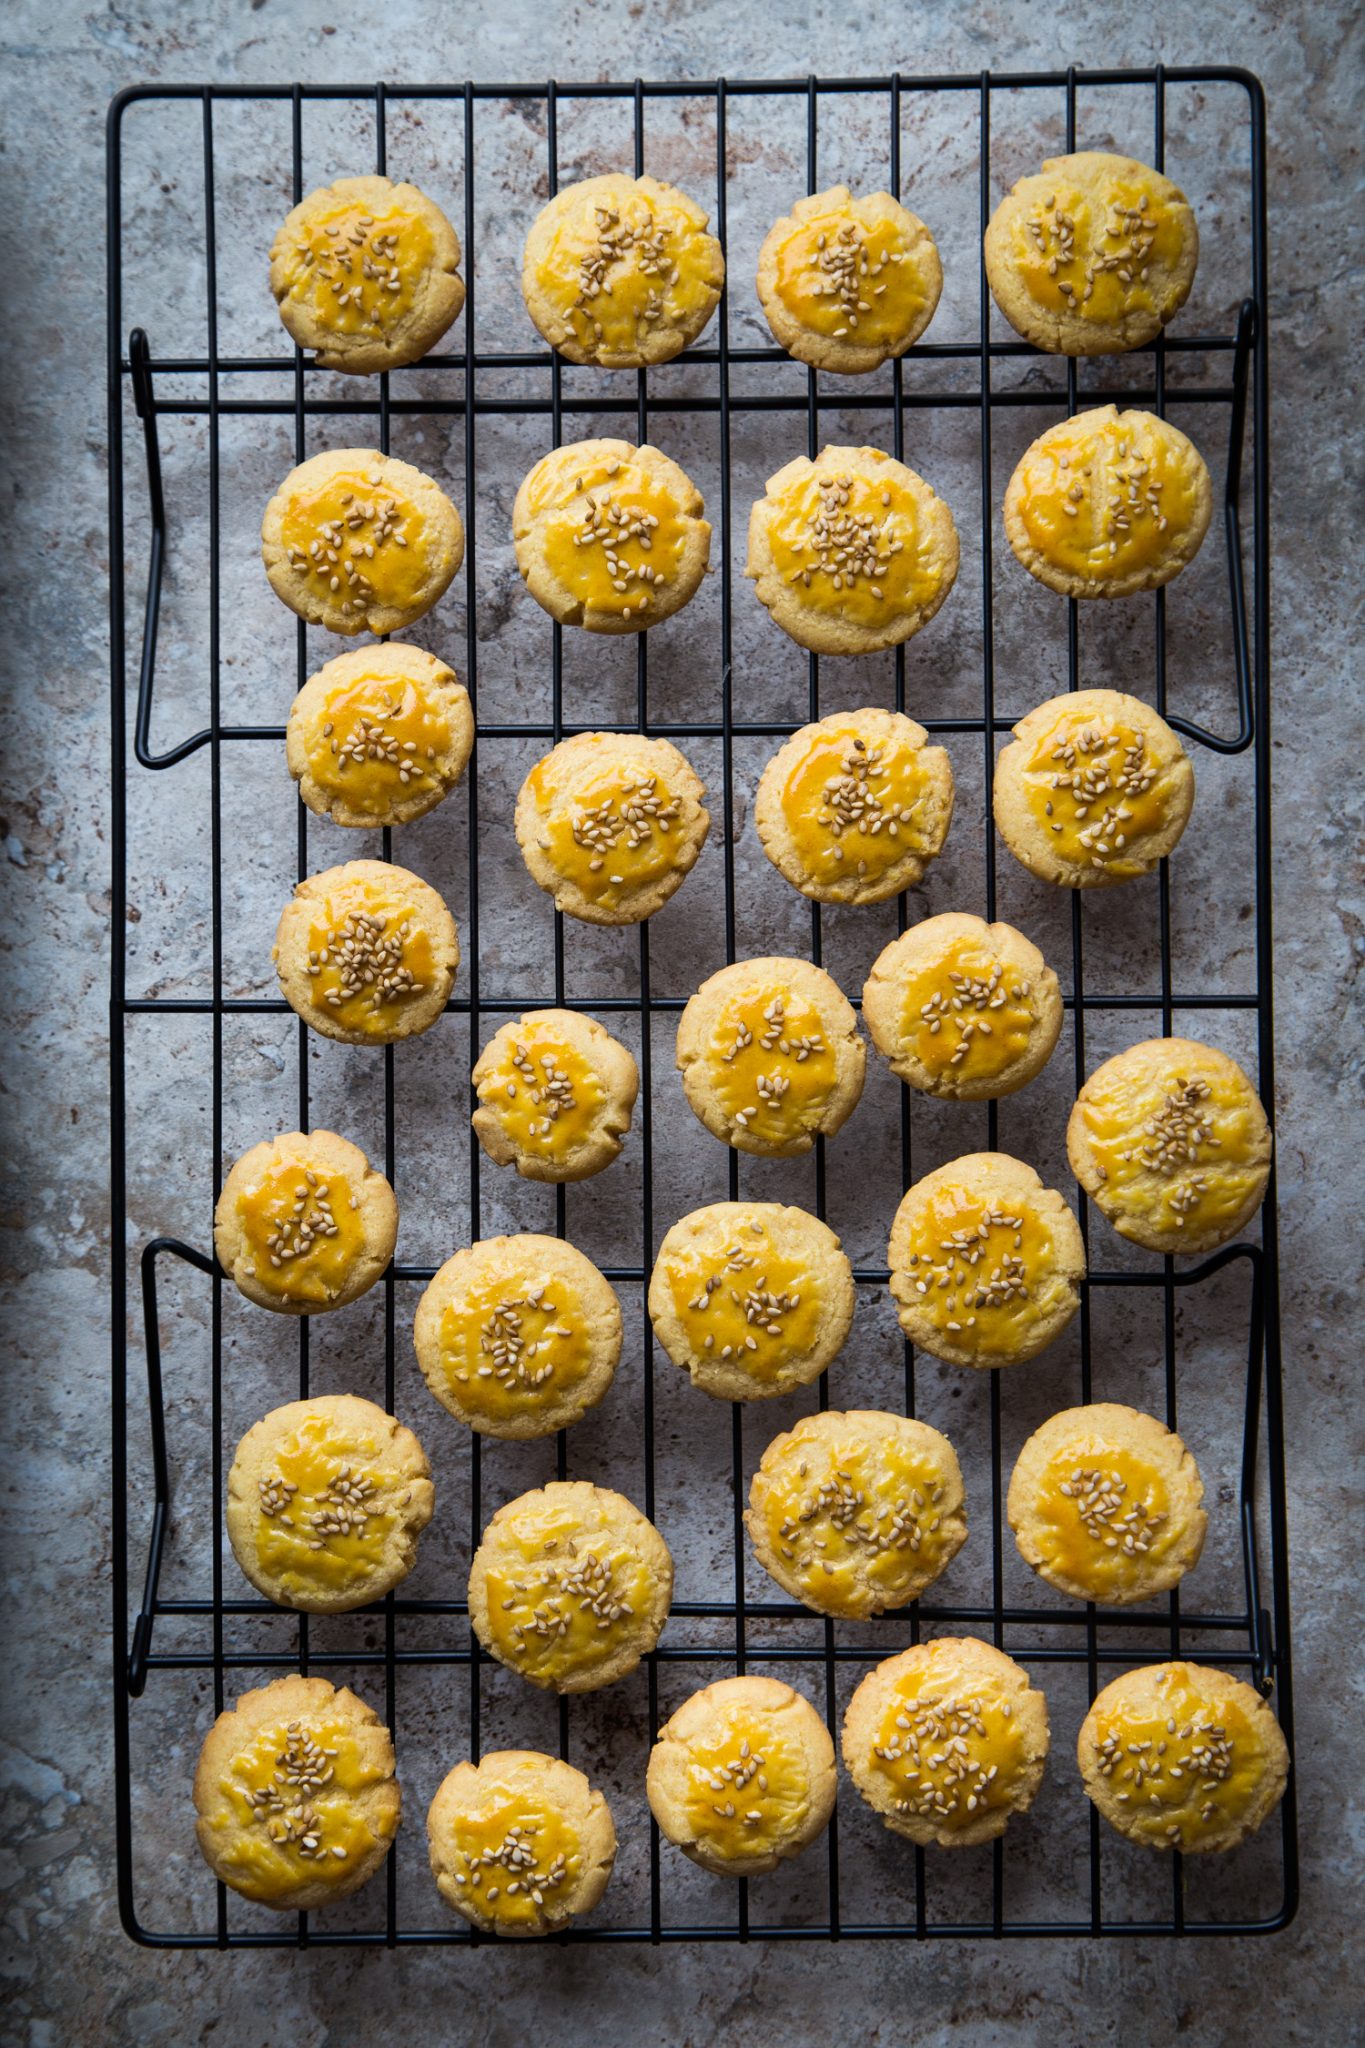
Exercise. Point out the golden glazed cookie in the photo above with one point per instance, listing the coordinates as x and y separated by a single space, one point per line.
1177 1756
354 540
770 1056
366 273
1091 255
946 1741
962 1008
621 272
379 736
366 953
520 1843
856 1513
610 537
610 824
853 808
570 1586
518 1336
555 1095
851 552
742 1777
304 1223
986 1263
1171 1141
845 283
296 1795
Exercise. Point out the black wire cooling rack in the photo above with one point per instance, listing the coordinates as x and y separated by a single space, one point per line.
1253 1639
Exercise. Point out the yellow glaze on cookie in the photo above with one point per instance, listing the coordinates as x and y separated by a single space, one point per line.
855 809
546 1095
1084 251
323 1520
967 1013
950 1752
749 1301
1091 783
351 536
974 1263
1184 1150
748 1792
371 741
1104 1515
501 1348
615 834
291 1792
616 268
368 955
1195 1767
1102 498
846 279
557 1599
514 1857
851 545
843 1513
358 271
301 1228
613 534
771 1064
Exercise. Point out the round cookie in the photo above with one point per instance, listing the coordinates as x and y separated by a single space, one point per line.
621 272
1170 1140
852 552
325 1501
354 540
1093 788
520 1843
1092 254
742 1777
296 1794
1108 503
751 1298
986 1263
555 1095
366 273
610 537
518 1336
304 1223
366 953
853 808
570 1586
962 1008
1178 1756
610 824
770 1056
1105 1504
378 736
856 1513
845 283
946 1741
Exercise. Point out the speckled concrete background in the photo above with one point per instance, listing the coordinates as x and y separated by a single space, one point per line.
71 1976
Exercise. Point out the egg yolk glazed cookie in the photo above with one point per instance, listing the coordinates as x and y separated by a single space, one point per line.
742 1777
325 1501
366 953
946 1741
1177 1756
1170 1140
621 272
304 1223
518 1336
570 1586
610 537
1108 503
365 272
1094 788
296 1795
962 1008
1091 255
851 552
354 540
520 1843
610 824
555 1096
379 736
1105 1504
770 1056
847 283
853 808
855 1513
986 1263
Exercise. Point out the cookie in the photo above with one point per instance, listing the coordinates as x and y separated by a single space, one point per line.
845 283
379 736
354 540
555 1093
962 1008
570 1586
610 537
946 1741
751 1298
770 1056
610 824
1091 255
1108 503
296 1794
621 272
856 1513
986 1263
852 552
325 1501
520 1843
853 808
1105 1504
366 274
1170 1140
1094 788
1178 1756
304 1223
366 953
742 1777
